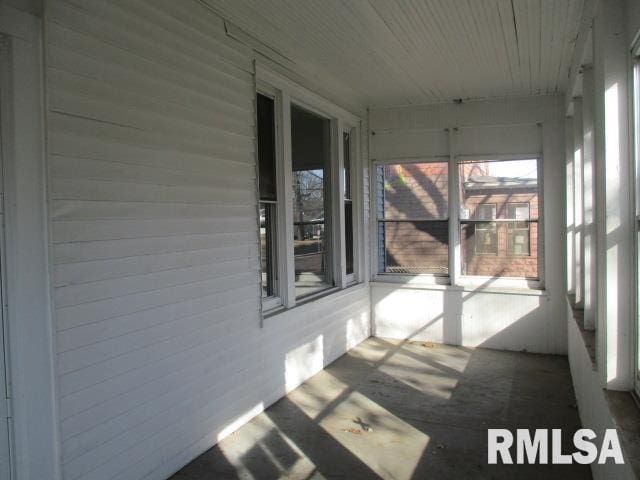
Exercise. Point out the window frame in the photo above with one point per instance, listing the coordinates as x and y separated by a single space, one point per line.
329 211
351 278
420 278
288 93
513 282
275 301
635 164
455 278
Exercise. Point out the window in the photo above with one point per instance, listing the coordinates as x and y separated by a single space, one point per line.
636 137
268 195
348 205
497 203
413 218
308 210
505 192
518 232
311 165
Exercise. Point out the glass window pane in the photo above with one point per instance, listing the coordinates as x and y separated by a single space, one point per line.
348 234
346 148
266 147
413 212
348 204
415 247
417 191
310 142
267 248
505 191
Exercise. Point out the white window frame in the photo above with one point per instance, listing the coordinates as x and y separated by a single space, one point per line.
455 277
514 282
418 278
635 133
351 278
275 301
288 93
332 214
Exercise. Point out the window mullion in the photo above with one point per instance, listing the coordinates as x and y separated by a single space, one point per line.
285 215
455 266
337 200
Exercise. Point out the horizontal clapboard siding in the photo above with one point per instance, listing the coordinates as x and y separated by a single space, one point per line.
152 193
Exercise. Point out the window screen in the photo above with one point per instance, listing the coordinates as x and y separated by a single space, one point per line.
413 218
499 218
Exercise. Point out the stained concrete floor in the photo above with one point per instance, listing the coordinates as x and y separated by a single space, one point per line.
402 410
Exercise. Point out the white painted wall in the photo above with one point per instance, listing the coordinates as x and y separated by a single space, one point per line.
155 242
487 317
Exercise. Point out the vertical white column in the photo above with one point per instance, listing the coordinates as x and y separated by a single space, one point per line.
588 196
569 204
578 245
614 212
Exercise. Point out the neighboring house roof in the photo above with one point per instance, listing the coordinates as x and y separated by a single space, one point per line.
487 182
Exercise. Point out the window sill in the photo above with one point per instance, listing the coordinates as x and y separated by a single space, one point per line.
626 418
588 336
495 286
326 295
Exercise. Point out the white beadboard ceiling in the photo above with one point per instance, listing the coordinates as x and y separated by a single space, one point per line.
400 52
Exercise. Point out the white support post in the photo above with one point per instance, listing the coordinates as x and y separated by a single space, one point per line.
577 202
614 207
588 195
569 204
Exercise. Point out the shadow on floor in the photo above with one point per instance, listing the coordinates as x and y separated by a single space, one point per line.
402 410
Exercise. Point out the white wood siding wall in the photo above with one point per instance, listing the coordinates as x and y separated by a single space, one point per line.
155 249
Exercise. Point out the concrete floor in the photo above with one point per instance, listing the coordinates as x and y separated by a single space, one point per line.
402 410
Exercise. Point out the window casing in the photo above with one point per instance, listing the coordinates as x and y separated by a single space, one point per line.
310 226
